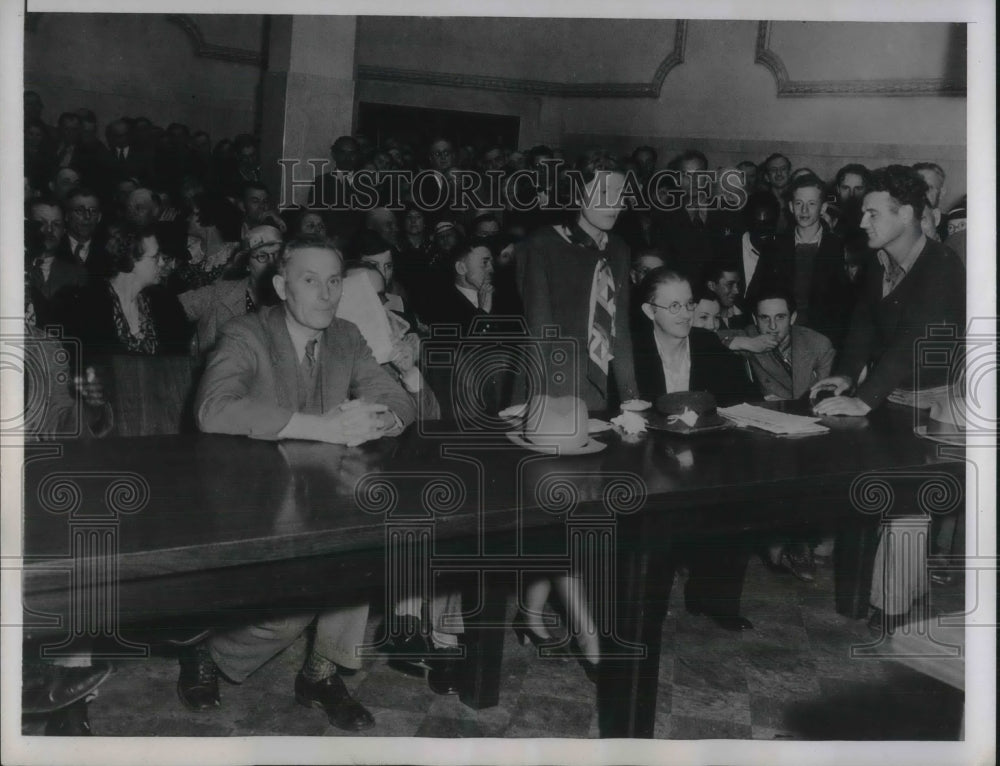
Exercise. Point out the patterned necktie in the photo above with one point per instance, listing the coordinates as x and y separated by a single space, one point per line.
602 329
78 251
309 360
783 361
251 308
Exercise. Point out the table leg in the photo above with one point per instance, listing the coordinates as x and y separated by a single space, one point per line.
480 686
627 688
853 560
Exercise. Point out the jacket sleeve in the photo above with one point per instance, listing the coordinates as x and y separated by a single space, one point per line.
372 383
226 401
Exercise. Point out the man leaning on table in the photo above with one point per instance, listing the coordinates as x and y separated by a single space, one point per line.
295 371
915 284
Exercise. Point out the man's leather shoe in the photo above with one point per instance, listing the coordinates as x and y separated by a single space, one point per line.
800 563
732 622
445 673
47 687
332 697
70 721
409 650
198 682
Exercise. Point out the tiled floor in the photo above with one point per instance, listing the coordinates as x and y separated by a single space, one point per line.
790 678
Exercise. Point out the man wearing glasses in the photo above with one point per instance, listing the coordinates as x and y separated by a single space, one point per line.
83 216
671 356
242 291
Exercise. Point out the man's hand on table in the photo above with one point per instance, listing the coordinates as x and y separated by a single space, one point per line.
842 405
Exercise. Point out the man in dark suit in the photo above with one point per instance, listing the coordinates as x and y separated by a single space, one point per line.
295 371
914 284
126 159
722 279
83 217
809 261
52 275
333 191
760 220
671 357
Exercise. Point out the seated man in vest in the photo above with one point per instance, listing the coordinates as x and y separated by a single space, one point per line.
295 371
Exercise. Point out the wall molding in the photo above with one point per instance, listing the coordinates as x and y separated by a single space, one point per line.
210 50
651 89
788 87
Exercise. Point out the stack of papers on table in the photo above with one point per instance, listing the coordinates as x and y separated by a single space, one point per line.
771 420
921 399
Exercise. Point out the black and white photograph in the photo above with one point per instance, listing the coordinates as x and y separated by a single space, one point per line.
498 383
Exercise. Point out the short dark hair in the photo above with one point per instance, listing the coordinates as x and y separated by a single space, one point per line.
539 151
704 294
248 185
593 161
856 169
124 248
216 210
810 181
774 291
775 156
759 199
66 117
718 266
661 276
686 156
465 249
82 191
905 186
645 148
371 243
654 250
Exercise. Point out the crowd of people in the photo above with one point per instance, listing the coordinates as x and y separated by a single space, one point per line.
759 281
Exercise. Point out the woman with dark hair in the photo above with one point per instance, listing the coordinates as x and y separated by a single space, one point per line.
213 239
115 315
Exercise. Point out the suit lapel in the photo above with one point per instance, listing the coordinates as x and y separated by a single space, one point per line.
282 356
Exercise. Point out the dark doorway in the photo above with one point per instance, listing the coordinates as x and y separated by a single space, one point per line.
417 126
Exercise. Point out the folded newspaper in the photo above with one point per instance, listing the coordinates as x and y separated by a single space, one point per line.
771 420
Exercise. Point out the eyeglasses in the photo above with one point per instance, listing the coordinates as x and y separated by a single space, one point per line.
676 306
86 212
261 256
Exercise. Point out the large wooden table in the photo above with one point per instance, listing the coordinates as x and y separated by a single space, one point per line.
126 533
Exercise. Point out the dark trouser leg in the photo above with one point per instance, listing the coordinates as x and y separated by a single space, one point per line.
717 567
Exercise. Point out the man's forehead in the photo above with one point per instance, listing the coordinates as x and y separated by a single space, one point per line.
778 163
729 276
45 210
310 258
852 179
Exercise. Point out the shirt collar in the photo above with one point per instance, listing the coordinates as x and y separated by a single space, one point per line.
582 233
814 241
748 248
468 292
890 264
300 337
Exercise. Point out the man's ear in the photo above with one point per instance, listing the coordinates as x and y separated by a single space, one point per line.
791 207
794 317
460 268
907 213
278 281
648 310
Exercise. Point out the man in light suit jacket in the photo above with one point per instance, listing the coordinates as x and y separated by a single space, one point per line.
295 371
785 358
